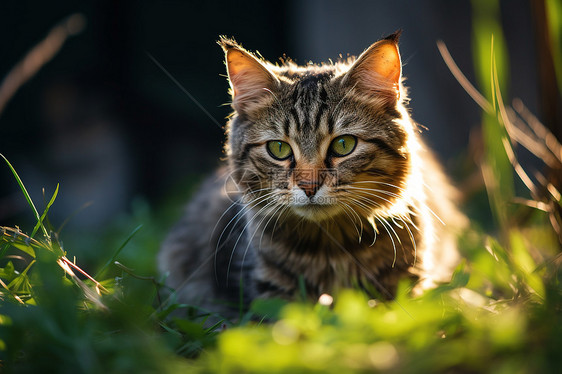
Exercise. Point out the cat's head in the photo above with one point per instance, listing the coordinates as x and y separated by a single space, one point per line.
319 140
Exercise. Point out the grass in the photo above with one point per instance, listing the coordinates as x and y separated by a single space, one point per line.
501 312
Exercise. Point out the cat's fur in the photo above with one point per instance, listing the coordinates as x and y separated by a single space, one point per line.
378 223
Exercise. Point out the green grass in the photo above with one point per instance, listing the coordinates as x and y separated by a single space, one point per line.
501 312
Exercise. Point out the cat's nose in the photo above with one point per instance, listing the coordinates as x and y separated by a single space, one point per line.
309 187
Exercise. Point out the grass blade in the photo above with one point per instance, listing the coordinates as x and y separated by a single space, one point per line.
110 261
40 222
26 194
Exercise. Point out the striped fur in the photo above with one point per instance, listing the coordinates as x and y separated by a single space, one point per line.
370 220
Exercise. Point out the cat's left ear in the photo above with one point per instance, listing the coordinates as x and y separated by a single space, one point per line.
377 71
250 80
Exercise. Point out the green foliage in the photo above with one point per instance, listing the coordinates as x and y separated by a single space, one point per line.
554 17
53 321
491 62
501 312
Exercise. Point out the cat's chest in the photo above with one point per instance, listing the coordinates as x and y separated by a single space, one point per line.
326 261
339 248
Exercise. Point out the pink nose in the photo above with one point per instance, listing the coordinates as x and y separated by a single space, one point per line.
309 188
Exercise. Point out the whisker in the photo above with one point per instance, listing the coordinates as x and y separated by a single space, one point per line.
234 203
369 209
237 201
377 196
361 202
407 227
387 227
359 219
249 240
271 216
352 220
412 204
244 210
434 214
412 239
380 182
240 237
286 209
389 193
247 207
390 236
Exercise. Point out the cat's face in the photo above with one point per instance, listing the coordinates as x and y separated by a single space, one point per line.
318 141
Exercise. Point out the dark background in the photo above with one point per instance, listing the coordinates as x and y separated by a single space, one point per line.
104 121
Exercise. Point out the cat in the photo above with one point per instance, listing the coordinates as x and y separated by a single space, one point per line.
327 186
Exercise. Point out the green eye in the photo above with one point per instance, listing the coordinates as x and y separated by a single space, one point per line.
343 145
279 150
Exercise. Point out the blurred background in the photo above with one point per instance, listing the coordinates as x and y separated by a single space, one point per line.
107 123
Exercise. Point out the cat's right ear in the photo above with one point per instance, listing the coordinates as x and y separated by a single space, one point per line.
251 82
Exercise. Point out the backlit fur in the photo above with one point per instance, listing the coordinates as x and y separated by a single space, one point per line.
371 222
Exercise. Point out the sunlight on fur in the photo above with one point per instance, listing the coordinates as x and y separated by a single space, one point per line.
328 185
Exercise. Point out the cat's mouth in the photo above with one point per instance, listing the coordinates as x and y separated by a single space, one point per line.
316 211
317 206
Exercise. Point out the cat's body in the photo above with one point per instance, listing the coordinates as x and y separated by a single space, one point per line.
328 186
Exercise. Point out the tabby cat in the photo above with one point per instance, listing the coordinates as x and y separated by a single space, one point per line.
328 186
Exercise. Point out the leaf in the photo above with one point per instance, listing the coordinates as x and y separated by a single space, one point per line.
8 272
4 248
270 308
491 56
497 251
215 326
525 263
460 276
21 284
521 256
25 248
40 222
166 312
192 329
